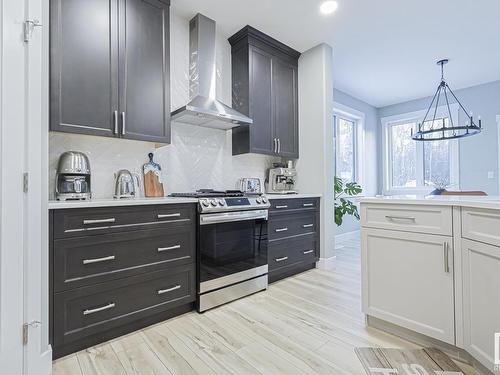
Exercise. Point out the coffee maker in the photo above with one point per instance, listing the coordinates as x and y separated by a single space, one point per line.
281 179
73 177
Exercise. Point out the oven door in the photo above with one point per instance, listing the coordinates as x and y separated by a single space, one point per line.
232 248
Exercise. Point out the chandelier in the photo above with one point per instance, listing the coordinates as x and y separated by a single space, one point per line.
438 128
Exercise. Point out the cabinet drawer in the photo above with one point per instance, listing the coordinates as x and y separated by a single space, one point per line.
481 225
292 224
278 205
410 218
84 261
289 251
90 221
88 311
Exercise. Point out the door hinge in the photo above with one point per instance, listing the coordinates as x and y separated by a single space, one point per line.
26 328
29 25
25 182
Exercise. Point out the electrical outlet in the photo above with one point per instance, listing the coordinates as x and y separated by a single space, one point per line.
491 175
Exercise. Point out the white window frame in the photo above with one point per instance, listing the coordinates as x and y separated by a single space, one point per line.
416 117
358 117
498 152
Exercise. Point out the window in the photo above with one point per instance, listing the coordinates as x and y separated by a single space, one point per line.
345 157
413 167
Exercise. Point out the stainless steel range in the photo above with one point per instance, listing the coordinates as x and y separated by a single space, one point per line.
232 245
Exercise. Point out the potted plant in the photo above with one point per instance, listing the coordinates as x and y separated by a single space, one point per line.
343 206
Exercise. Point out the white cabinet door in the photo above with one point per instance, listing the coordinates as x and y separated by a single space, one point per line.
408 281
481 285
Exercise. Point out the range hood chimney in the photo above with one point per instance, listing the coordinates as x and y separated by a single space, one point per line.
203 108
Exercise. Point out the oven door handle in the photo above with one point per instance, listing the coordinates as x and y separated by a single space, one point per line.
226 217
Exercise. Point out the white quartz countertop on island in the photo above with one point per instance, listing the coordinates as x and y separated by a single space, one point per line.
292 196
111 202
492 202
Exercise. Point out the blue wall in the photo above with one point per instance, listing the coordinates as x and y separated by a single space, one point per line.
371 151
478 154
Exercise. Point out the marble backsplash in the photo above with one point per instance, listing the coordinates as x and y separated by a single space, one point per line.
197 158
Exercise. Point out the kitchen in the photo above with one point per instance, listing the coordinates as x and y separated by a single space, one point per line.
185 217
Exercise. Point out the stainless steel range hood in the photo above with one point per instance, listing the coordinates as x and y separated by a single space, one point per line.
203 108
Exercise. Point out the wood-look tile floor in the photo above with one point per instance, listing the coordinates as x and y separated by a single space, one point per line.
306 324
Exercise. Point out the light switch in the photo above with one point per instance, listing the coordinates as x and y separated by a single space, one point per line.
491 175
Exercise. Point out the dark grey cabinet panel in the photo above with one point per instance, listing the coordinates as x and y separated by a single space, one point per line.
265 88
144 83
84 63
110 68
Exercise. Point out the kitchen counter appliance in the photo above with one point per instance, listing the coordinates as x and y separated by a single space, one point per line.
73 177
281 179
232 245
127 185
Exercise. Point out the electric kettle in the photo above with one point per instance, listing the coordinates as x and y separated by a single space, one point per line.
127 185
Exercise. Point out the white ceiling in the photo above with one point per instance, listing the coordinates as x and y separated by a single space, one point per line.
384 50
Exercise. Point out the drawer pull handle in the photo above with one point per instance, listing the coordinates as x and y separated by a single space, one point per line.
163 291
446 252
307 225
308 205
93 311
98 221
160 249
98 260
281 230
281 207
410 218
281 259
308 252
164 216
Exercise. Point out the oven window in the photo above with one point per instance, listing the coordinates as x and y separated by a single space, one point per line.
227 248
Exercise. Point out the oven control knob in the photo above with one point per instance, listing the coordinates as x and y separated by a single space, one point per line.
204 203
259 200
213 202
264 200
222 202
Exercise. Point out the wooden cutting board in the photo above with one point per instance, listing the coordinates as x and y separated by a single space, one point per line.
153 186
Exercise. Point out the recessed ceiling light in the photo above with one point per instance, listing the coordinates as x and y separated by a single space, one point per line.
328 7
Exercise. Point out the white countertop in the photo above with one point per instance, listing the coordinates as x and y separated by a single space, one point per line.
439 200
111 202
291 196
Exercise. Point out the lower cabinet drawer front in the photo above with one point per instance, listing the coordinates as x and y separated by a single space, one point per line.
481 225
84 261
286 252
293 204
292 224
84 312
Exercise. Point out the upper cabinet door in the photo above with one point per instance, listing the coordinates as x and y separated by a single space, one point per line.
83 70
261 102
144 82
285 108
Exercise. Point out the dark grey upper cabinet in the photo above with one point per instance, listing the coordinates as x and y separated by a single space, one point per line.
264 81
109 68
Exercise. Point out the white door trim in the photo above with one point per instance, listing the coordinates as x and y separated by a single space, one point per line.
498 152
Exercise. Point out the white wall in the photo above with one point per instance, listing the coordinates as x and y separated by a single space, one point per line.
197 158
315 165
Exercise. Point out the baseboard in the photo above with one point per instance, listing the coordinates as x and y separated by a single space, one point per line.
326 263
347 236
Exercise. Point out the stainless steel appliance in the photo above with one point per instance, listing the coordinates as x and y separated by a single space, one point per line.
250 185
203 109
73 177
232 246
281 180
127 185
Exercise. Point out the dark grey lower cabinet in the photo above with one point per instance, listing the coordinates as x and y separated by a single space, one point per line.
293 231
105 282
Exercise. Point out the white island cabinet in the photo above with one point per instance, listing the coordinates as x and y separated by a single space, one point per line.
432 265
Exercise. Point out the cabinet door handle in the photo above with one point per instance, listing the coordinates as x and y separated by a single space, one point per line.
123 124
97 309
98 221
281 259
410 218
160 249
281 230
163 291
308 252
275 146
279 145
281 207
115 121
307 225
99 260
308 205
446 255
165 216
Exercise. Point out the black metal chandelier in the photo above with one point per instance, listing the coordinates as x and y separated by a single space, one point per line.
438 129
